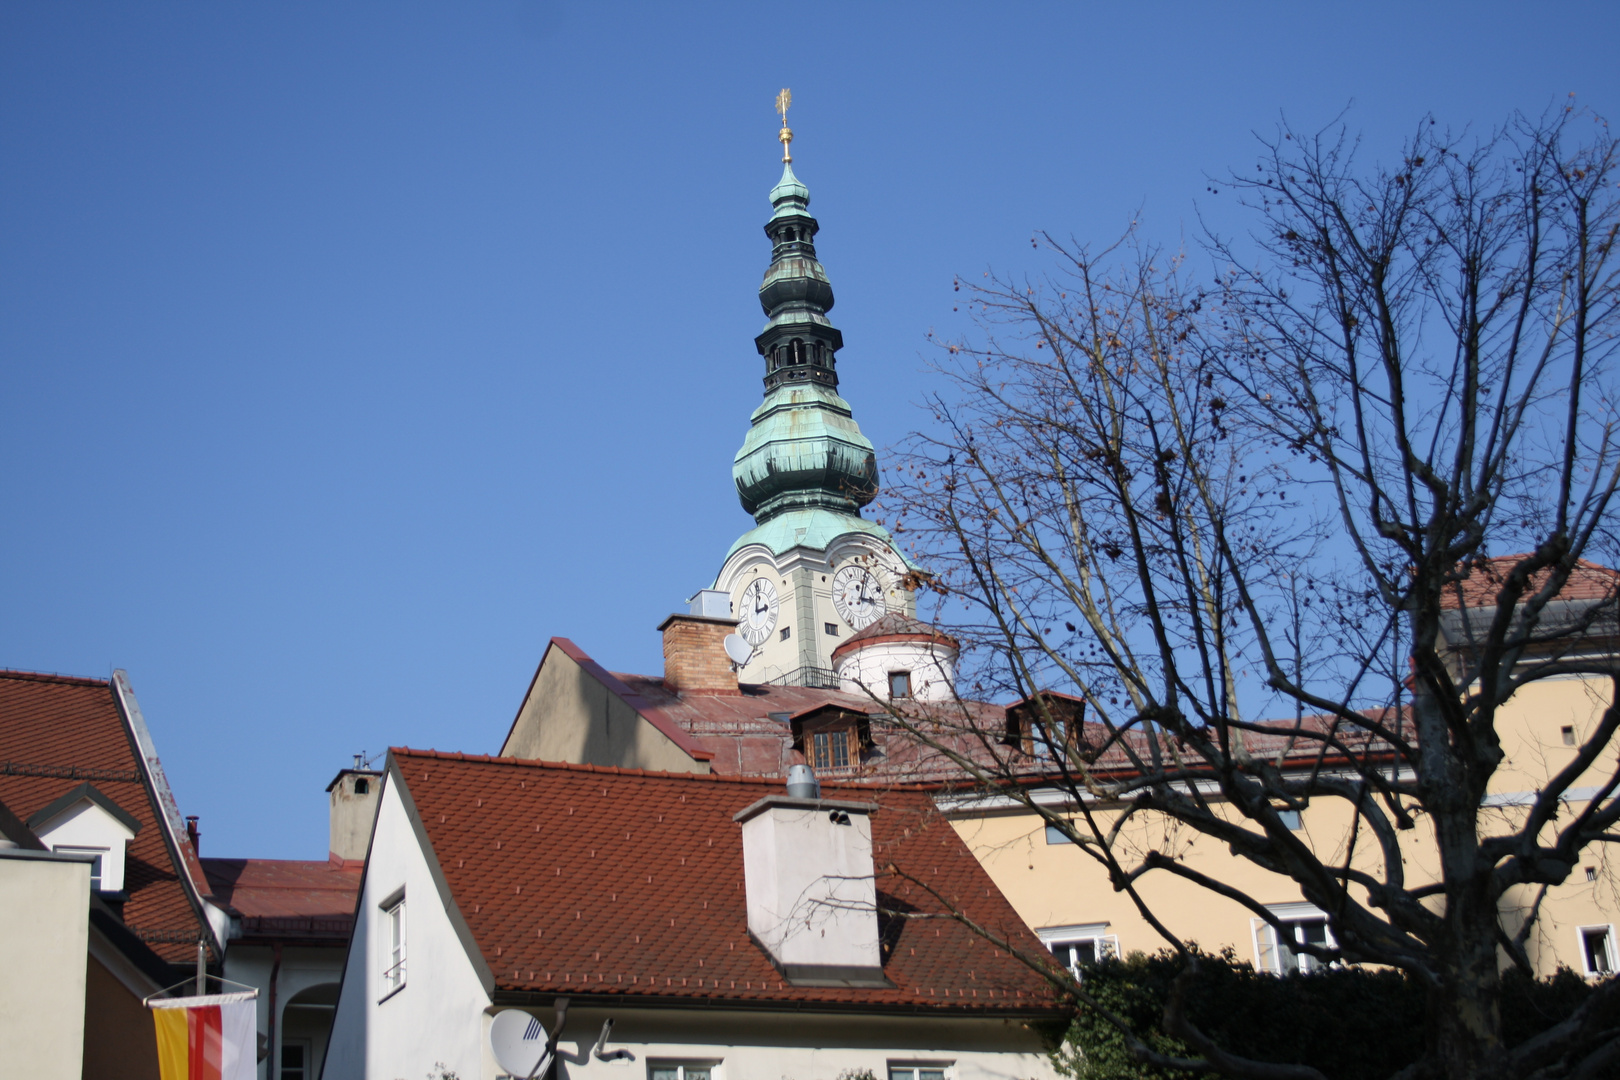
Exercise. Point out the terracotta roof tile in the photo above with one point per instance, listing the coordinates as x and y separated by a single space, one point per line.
284 898
590 880
891 627
56 732
1587 581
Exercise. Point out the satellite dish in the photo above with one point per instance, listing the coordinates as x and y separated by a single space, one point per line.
738 649
518 1041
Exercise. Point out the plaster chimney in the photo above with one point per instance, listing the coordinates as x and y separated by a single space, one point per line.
694 657
352 797
812 898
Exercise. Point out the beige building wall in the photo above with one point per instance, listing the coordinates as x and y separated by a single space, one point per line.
570 716
119 1038
45 913
1055 885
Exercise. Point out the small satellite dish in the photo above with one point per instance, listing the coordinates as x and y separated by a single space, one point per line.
518 1041
738 649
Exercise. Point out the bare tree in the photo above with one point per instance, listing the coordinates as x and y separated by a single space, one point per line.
1298 537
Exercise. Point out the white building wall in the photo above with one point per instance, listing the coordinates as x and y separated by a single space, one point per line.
86 825
798 1046
867 668
438 1015
44 939
302 968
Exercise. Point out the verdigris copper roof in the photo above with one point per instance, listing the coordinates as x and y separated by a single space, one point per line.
803 451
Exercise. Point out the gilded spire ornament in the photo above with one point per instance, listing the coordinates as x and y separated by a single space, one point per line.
783 100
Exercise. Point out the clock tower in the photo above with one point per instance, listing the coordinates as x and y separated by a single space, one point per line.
813 571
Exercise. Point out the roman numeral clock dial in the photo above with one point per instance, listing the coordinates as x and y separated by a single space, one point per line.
857 595
756 611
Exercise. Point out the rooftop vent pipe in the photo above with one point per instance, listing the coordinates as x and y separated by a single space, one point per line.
802 783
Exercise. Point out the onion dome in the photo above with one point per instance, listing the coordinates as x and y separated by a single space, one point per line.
896 656
804 450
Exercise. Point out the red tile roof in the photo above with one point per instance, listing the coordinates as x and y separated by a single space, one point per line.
56 732
584 880
285 899
742 739
1587 581
894 626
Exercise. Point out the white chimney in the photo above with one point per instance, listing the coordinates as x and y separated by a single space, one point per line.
812 899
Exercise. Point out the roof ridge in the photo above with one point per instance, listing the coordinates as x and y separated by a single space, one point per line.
655 774
52 677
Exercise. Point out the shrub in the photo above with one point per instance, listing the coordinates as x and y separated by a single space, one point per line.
1350 1023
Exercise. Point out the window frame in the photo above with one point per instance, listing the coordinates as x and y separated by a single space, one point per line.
1104 946
1609 948
305 1070
909 691
915 1066
1269 950
712 1065
394 941
827 746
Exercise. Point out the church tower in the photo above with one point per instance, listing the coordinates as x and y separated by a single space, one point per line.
813 571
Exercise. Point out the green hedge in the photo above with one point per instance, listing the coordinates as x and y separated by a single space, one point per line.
1351 1023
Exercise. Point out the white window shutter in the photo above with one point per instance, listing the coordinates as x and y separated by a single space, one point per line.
1265 945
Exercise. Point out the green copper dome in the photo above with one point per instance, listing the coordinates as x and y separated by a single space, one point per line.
804 451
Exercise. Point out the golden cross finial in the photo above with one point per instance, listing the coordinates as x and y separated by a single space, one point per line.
783 100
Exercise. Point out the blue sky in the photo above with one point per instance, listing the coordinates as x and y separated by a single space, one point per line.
352 351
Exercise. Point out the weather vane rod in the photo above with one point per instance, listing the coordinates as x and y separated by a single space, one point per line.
783 100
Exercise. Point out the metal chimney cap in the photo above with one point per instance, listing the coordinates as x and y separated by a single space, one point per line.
802 783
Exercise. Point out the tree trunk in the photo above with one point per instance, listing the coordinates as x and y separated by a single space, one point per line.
1465 1015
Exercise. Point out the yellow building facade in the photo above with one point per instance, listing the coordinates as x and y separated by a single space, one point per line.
1064 893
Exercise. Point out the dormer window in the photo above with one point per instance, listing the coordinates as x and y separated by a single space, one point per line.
831 749
86 822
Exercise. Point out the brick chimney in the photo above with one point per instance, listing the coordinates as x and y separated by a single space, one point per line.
694 658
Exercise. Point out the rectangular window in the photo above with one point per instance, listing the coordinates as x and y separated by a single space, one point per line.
393 939
1591 873
1054 835
831 628
1569 735
1597 949
681 1070
831 749
899 684
1290 819
917 1072
95 865
1080 947
786 632
295 1061
1302 924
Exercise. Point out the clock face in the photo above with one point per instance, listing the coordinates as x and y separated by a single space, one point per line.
857 595
756 611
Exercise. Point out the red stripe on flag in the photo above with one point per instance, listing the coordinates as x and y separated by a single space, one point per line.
206 1056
